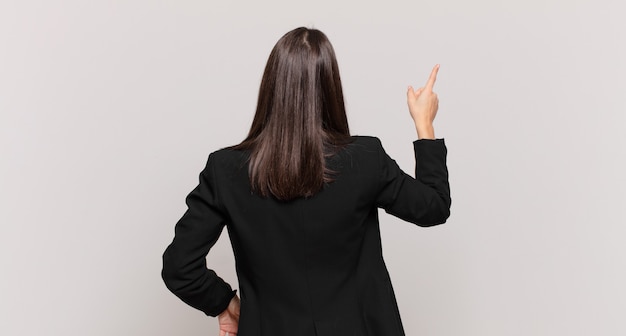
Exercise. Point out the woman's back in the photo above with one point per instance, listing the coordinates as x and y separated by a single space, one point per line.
315 264
300 197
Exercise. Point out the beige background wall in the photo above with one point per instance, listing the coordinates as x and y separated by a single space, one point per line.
108 110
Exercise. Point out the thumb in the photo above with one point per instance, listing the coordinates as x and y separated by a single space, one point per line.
413 94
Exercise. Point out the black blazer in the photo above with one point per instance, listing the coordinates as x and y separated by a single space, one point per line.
309 266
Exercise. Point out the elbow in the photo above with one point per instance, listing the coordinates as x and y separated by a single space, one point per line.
173 275
169 276
182 277
438 214
178 282
435 219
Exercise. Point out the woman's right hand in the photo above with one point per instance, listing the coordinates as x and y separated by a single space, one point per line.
229 318
423 104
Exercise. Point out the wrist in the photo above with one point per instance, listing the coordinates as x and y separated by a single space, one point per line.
425 131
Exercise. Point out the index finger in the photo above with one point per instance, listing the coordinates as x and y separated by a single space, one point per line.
432 78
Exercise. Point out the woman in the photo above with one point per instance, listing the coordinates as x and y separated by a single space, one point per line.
300 197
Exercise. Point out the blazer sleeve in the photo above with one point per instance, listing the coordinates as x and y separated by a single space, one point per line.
424 200
184 261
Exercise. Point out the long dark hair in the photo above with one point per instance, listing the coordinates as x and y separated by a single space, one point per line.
300 118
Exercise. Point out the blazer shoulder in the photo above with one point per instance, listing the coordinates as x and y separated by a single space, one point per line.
227 159
361 157
367 140
367 144
227 153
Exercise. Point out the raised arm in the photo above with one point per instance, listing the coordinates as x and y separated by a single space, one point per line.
423 200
